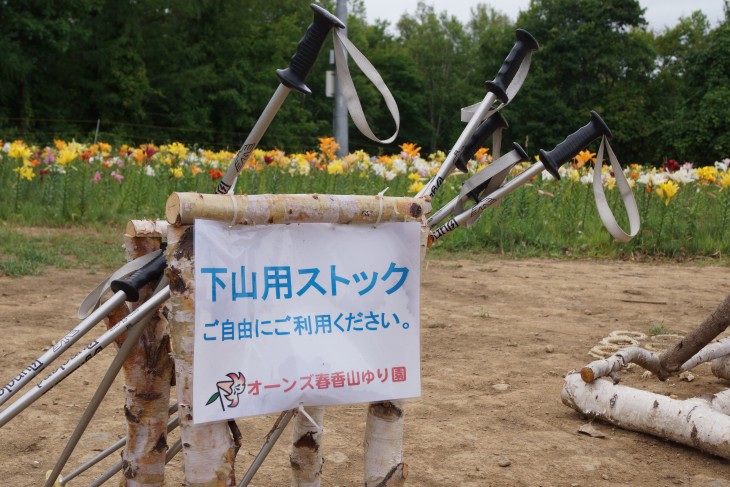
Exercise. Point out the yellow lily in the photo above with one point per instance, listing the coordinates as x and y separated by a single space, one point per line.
667 190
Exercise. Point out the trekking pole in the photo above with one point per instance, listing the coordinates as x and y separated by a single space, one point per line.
124 290
481 184
134 334
80 358
497 89
291 78
549 161
485 130
489 126
269 443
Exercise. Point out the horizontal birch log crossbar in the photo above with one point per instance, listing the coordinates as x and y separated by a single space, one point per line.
184 208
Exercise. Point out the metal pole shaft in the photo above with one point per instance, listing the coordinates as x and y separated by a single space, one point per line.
61 346
82 357
442 212
171 425
448 164
497 195
271 439
514 183
132 336
254 137
340 110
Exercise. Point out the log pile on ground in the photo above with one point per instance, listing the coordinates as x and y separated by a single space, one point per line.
701 422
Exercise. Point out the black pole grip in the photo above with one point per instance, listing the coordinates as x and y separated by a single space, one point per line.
573 144
307 50
525 44
134 282
475 194
481 134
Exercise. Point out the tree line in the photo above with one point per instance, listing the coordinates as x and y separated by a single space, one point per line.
201 71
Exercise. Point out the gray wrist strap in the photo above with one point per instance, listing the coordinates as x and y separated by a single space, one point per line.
495 173
627 196
343 47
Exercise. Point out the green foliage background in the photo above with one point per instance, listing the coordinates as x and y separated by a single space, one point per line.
201 71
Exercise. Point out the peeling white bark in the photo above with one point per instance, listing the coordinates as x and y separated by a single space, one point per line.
721 367
719 402
384 444
146 228
619 360
306 452
709 353
696 422
208 449
147 375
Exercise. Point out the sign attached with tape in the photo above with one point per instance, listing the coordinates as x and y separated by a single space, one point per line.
310 314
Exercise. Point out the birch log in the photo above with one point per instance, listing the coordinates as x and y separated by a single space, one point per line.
147 375
692 422
719 401
184 208
688 352
708 354
721 367
208 449
383 444
619 360
306 453
147 228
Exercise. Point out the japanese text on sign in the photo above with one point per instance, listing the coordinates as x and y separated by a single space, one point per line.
304 314
277 282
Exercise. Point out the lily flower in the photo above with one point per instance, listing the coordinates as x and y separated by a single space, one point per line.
667 190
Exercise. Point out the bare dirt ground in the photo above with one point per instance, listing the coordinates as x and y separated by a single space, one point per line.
498 336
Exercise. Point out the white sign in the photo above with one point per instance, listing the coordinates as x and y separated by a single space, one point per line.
310 314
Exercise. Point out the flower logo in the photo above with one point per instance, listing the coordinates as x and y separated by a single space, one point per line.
229 389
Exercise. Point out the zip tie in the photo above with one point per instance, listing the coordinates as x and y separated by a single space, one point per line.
309 418
234 220
380 211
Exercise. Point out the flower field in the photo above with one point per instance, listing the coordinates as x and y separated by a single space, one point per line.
685 209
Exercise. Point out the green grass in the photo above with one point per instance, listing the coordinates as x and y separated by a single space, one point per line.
659 329
555 219
28 250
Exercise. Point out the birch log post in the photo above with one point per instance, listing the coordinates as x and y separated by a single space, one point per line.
694 422
147 377
208 449
383 445
306 452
